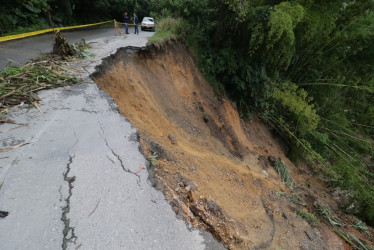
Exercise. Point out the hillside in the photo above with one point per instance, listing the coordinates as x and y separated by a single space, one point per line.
217 170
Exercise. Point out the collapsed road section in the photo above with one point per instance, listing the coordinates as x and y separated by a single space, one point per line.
79 180
216 170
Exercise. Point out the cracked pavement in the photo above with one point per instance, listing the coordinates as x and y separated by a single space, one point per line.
68 232
79 184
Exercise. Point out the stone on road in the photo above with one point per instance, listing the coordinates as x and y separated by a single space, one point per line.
80 182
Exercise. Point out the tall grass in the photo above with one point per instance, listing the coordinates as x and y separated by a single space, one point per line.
309 217
168 29
283 172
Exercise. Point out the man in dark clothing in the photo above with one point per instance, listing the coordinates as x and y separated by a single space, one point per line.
126 20
136 21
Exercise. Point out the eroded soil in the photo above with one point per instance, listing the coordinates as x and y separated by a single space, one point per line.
215 169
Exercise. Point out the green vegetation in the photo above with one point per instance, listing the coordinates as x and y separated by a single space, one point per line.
327 214
310 218
283 172
305 67
339 228
360 226
153 159
168 29
294 198
19 84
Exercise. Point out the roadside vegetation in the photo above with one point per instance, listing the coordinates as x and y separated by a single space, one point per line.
309 217
304 67
283 172
168 30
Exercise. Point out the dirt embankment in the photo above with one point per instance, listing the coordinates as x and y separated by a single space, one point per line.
214 168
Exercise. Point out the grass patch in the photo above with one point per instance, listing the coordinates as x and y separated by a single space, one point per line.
327 214
339 226
80 49
360 226
309 217
283 172
168 29
294 198
161 36
153 159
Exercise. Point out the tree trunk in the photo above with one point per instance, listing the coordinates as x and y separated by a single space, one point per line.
67 7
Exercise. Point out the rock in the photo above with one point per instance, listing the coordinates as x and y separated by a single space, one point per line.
188 188
3 214
190 183
265 172
206 118
310 235
190 196
286 216
305 246
177 189
173 139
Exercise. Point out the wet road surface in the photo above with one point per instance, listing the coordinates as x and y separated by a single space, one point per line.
22 50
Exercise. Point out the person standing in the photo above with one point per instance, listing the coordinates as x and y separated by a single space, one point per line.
136 21
126 20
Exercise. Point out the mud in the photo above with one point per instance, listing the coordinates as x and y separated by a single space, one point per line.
214 168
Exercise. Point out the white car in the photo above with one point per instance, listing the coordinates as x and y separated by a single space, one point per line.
148 23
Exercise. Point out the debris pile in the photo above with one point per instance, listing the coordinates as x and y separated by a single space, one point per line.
18 85
61 47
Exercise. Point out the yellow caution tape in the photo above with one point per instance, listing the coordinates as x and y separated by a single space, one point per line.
12 37
130 24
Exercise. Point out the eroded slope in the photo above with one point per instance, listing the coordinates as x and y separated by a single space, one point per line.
214 168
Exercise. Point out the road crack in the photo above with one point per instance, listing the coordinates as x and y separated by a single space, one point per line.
102 134
68 232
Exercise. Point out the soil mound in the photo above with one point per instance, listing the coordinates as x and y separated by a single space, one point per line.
215 169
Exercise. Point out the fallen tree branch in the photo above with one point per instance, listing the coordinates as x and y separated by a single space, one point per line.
95 208
8 121
37 106
15 146
7 130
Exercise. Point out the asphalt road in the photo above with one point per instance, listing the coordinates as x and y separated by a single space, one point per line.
80 182
22 50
